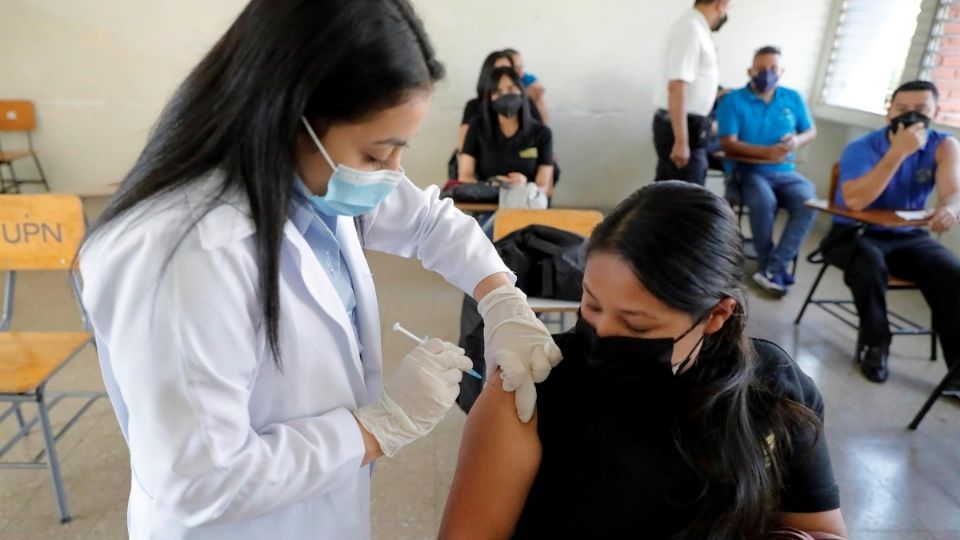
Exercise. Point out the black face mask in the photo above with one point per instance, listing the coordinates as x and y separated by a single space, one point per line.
626 359
908 119
507 105
723 20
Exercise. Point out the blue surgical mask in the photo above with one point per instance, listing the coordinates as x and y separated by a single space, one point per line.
765 80
351 192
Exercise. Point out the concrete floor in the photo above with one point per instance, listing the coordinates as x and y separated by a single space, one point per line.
895 484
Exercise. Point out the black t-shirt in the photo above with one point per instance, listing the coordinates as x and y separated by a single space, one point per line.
472 110
610 468
522 153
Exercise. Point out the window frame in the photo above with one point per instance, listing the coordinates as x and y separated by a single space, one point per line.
915 65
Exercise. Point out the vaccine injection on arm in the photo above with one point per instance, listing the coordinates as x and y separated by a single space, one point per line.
421 341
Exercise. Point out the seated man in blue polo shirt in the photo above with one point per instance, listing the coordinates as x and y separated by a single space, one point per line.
761 127
897 168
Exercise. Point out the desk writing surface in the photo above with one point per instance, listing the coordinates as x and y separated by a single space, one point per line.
882 218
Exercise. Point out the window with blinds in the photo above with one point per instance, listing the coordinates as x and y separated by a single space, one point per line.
869 53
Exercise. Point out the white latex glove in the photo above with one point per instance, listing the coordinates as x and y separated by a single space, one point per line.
519 344
417 396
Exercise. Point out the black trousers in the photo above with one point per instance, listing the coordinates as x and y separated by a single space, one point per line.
869 260
696 170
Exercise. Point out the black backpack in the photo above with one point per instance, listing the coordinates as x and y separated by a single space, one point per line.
549 263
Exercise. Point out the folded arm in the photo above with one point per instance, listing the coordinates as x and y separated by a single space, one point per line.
863 190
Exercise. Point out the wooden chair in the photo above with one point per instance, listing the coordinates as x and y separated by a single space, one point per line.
39 233
18 116
845 309
580 222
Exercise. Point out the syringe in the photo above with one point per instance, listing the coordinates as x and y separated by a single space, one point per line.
421 341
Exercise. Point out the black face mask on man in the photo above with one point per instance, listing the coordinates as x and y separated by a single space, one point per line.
507 105
908 119
626 359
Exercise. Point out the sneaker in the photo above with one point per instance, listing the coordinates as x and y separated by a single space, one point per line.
788 279
771 283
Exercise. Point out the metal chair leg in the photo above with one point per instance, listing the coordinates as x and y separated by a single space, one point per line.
19 413
15 181
933 345
813 290
935 396
3 179
53 462
43 177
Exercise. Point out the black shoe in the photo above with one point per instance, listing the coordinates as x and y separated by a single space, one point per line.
874 364
861 350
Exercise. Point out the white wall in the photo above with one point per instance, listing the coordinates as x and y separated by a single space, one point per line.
100 71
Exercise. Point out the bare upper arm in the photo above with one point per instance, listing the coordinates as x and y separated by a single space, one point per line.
825 522
466 168
498 461
948 168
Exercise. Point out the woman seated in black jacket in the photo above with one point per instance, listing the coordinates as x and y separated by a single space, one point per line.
504 141
663 421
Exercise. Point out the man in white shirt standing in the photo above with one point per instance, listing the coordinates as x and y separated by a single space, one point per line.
686 93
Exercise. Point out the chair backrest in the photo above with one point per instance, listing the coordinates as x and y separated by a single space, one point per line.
17 115
40 232
834 183
580 222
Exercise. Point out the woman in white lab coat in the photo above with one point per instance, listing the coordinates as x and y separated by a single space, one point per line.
235 314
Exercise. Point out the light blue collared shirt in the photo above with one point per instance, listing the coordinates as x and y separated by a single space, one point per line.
320 232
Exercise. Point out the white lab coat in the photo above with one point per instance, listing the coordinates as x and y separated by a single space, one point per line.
222 443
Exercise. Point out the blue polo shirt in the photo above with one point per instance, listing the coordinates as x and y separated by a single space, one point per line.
754 121
911 185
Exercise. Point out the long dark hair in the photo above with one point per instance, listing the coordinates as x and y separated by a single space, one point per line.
239 110
488 66
684 245
489 122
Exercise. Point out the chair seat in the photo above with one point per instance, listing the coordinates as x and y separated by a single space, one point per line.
7 157
28 359
549 305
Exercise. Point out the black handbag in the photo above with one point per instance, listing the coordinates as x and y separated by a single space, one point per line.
481 192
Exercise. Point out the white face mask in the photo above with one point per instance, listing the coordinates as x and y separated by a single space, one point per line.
351 192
